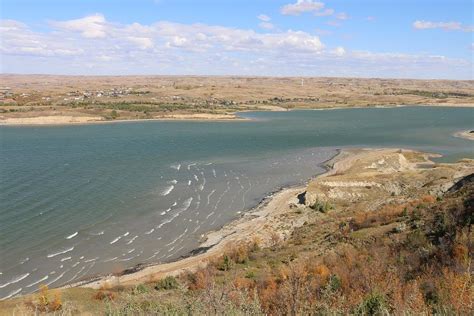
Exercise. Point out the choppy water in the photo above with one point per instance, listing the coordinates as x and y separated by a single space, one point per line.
76 201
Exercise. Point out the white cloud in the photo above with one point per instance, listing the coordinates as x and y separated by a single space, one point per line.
266 25
92 26
301 6
326 12
177 48
264 18
342 16
339 51
447 26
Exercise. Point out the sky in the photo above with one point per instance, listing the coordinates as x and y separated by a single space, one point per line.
422 39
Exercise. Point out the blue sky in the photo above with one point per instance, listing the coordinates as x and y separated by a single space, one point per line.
356 38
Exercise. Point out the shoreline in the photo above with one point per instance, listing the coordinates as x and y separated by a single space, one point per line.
469 134
217 241
69 120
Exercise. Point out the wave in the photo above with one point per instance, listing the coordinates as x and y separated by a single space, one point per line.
65 259
60 252
15 280
72 235
75 265
59 277
190 165
98 234
176 166
150 231
11 294
209 196
214 172
90 260
111 259
24 260
187 203
196 177
189 182
167 190
132 240
39 281
115 240
174 181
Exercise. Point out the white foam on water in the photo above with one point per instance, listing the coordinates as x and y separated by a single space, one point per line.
15 280
201 187
150 231
132 240
214 172
111 259
167 191
75 275
209 196
126 234
65 259
75 264
187 203
59 277
196 177
90 260
176 167
39 281
115 240
209 215
175 203
23 261
60 252
11 294
174 181
98 234
131 250
72 235
189 182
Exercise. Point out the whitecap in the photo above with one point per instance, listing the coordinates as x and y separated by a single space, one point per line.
131 240
214 172
131 250
75 265
39 281
98 234
175 203
60 252
11 294
115 240
72 235
111 259
167 190
15 280
90 260
174 181
65 259
24 260
190 165
176 166
189 182
150 231
187 203
196 177
126 234
59 277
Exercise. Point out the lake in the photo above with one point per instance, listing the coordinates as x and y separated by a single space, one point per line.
82 200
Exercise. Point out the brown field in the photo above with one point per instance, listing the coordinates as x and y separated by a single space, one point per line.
80 99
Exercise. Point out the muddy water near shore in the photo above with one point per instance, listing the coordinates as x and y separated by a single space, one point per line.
83 200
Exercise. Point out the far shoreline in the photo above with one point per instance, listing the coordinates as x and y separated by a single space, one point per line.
70 120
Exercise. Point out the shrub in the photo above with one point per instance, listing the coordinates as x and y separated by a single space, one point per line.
140 289
168 283
321 206
373 304
226 263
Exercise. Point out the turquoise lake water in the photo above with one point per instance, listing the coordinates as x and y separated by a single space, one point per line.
77 201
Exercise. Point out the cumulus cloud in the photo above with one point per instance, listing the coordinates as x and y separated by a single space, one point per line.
301 6
178 48
92 26
447 26
326 12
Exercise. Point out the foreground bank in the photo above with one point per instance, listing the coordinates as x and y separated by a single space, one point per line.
370 201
